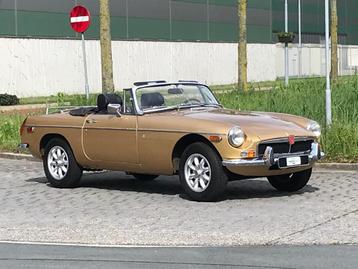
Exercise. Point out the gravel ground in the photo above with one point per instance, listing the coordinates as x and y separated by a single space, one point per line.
115 209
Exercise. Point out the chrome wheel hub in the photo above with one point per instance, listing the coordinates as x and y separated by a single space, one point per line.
57 162
197 172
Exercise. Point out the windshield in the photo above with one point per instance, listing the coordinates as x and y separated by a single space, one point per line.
174 96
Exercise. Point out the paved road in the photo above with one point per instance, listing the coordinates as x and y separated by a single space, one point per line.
112 208
284 257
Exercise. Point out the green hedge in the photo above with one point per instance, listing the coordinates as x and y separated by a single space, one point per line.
8 100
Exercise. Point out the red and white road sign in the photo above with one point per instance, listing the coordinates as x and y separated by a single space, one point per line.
80 19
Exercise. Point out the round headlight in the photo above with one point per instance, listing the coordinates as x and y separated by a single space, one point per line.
314 127
236 136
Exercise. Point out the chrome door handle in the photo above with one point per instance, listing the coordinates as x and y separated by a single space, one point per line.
91 121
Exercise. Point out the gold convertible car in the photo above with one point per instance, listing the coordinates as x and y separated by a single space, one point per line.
160 128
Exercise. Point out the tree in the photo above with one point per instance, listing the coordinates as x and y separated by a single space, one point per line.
334 40
106 47
242 47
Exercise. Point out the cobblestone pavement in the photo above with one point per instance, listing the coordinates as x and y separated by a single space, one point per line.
113 208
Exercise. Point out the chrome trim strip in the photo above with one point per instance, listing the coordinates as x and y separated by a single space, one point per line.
126 129
178 131
151 130
269 159
54 126
110 129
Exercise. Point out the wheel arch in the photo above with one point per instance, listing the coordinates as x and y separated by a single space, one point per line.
47 138
183 143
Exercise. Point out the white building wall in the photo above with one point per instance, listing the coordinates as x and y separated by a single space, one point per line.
261 64
313 57
40 67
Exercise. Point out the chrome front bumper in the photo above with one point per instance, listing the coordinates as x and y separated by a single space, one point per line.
270 159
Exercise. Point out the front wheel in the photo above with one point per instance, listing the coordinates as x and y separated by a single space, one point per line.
60 165
291 182
201 173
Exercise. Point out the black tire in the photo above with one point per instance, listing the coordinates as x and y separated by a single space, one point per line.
218 178
72 177
144 177
291 182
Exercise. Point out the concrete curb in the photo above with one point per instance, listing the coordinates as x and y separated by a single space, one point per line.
18 156
337 166
318 166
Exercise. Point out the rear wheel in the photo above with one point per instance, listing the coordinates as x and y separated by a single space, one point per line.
291 182
60 165
144 177
201 173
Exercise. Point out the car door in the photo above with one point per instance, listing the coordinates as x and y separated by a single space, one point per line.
110 139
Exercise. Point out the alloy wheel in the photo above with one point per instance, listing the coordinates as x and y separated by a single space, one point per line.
57 162
197 172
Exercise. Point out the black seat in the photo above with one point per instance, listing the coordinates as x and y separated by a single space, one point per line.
152 99
104 99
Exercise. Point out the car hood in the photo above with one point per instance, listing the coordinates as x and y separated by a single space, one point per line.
264 125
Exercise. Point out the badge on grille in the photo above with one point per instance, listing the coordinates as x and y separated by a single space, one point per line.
291 139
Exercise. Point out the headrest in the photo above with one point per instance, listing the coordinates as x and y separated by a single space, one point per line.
108 98
152 99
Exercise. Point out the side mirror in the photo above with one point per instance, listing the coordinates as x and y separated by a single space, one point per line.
114 109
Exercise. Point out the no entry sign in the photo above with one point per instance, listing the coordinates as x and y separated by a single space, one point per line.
80 19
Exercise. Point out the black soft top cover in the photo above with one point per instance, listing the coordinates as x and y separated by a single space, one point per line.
83 111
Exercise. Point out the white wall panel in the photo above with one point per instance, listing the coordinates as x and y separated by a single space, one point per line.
40 67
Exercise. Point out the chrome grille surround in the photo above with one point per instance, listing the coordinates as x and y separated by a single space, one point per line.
282 146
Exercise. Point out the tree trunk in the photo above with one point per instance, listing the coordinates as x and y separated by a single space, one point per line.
106 47
242 50
334 40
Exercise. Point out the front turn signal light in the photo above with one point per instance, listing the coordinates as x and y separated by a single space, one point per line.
215 138
251 154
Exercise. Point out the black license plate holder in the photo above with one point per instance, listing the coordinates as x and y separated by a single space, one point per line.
292 161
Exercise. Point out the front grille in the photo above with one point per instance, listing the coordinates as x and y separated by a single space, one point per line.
284 147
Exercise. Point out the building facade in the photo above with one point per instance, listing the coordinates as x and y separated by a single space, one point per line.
163 39
177 20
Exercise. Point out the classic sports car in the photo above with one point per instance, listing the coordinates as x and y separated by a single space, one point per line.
160 128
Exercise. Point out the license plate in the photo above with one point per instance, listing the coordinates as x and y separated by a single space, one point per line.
293 161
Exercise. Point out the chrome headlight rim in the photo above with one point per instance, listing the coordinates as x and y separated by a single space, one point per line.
314 127
236 136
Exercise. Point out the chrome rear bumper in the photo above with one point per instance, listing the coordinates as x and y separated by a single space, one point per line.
23 146
270 158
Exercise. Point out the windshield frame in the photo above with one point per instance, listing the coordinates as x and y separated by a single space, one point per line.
152 85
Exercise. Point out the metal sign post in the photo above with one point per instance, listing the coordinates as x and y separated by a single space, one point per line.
299 39
80 20
328 82
286 44
85 65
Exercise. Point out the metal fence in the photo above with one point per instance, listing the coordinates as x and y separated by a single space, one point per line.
188 20
313 62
